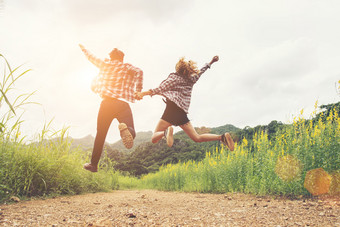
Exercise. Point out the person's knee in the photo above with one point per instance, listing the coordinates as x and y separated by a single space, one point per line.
154 138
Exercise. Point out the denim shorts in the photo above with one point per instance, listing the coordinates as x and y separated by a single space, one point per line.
174 115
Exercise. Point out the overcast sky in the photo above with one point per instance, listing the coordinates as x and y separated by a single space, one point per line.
276 57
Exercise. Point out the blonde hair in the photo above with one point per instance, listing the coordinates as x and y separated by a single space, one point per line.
186 68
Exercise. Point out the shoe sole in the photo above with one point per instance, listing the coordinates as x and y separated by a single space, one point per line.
230 142
125 135
170 136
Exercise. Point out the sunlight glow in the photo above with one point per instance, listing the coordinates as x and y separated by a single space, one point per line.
85 77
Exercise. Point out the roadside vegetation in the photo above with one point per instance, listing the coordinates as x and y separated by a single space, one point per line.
263 166
271 159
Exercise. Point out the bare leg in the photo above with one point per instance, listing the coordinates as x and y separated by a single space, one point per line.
159 131
191 132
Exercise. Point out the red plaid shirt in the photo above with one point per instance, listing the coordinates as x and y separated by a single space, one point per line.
116 79
178 89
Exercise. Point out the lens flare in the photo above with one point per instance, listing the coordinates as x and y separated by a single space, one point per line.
317 181
288 167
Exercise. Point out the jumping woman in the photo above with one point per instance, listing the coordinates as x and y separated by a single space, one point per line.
177 90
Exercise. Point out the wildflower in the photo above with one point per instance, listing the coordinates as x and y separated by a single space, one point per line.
301 112
245 142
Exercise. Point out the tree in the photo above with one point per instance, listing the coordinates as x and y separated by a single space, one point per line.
273 127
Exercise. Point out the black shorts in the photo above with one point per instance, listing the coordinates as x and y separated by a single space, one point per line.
174 115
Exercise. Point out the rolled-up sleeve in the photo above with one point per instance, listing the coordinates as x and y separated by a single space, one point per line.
166 85
196 77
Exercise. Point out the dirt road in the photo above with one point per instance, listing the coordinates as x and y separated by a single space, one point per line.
156 208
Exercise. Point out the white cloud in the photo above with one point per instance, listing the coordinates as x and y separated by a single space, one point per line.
280 67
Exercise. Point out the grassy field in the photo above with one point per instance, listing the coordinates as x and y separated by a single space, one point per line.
275 167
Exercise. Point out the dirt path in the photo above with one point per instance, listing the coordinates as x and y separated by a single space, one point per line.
156 208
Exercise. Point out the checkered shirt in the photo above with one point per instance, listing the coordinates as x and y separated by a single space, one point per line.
178 89
115 79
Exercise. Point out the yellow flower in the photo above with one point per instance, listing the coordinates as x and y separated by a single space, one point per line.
245 141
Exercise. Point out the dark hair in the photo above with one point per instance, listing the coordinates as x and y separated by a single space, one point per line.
117 55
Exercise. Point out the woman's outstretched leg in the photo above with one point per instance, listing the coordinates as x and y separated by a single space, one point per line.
191 132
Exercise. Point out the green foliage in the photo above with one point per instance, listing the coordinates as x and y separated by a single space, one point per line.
327 110
49 168
251 168
148 157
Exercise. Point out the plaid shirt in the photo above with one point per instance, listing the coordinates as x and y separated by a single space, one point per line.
115 79
178 89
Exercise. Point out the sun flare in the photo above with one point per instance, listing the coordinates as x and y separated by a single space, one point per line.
86 76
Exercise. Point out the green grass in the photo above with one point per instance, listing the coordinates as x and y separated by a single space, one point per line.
42 169
301 146
129 182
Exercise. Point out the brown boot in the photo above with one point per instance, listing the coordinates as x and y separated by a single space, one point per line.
125 135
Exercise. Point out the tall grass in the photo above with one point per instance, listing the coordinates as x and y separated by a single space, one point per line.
46 166
309 144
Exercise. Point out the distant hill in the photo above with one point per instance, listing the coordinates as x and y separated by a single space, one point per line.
141 137
225 128
145 157
148 157
86 143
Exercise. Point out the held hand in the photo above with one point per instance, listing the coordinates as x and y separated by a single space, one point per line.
138 95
